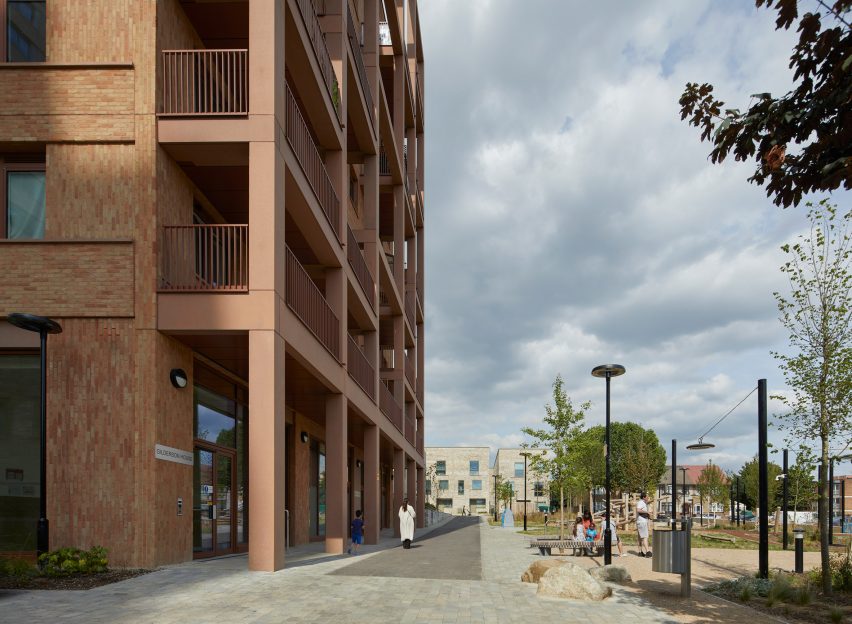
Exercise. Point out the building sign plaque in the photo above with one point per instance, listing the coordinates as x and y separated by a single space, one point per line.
167 453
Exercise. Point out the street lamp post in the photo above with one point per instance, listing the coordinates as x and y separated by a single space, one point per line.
683 512
784 501
608 371
525 456
495 496
43 326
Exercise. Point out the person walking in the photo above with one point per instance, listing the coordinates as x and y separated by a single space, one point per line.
406 523
357 533
642 520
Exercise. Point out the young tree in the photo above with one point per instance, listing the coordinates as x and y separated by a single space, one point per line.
818 316
638 460
505 492
801 142
750 478
801 487
713 486
562 424
586 464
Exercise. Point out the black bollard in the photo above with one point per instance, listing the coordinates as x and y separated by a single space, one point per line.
799 538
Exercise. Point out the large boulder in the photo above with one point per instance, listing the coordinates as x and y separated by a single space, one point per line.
538 568
571 581
611 573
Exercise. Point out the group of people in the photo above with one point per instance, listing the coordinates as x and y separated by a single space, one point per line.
585 530
406 528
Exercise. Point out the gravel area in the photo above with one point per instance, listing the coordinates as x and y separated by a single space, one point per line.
708 566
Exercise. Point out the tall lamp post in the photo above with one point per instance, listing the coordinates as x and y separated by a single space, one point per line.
683 505
525 456
495 496
784 501
43 326
607 371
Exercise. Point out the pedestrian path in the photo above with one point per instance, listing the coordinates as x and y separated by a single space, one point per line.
319 588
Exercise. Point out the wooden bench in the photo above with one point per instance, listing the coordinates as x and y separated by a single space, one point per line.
546 545
719 538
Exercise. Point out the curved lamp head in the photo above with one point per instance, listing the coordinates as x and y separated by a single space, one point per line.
34 323
178 378
608 370
700 445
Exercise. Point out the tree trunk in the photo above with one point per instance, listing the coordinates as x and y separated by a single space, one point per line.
592 501
824 527
561 512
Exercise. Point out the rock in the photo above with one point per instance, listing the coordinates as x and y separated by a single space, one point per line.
612 574
571 581
538 568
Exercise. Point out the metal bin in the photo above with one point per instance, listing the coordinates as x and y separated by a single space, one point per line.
670 551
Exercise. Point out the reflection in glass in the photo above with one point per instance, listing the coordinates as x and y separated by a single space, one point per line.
224 500
25 31
242 475
214 418
202 507
316 491
25 202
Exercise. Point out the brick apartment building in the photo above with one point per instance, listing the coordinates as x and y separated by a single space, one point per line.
229 191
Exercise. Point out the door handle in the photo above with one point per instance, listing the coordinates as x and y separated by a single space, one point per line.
211 512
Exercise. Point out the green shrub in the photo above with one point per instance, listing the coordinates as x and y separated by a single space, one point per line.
17 568
781 589
70 561
836 615
840 565
803 595
745 593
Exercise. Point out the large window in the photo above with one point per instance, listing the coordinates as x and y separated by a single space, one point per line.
461 486
444 484
441 467
519 469
21 200
538 489
19 447
476 484
474 467
24 27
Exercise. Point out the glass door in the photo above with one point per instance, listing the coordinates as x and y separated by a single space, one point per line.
213 512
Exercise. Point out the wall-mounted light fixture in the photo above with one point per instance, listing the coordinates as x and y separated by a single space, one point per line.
178 378
304 437
357 463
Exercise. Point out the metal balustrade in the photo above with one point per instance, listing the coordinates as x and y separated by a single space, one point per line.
360 368
309 304
359 266
358 54
384 163
302 143
389 406
315 34
205 83
204 258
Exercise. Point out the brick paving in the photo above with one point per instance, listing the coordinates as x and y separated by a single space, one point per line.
222 590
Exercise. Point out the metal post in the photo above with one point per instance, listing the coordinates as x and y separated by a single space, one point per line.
674 484
683 512
842 505
738 500
831 501
525 490
732 500
607 534
43 531
763 495
686 575
784 504
495 497
799 539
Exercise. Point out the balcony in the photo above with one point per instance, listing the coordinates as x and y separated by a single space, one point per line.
302 143
409 310
410 373
420 440
410 434
386 357
389 406
359 266
358 55
309 304
204 258
360 369
205 83
384 163
312 26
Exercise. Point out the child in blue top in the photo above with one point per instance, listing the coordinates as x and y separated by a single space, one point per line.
357 533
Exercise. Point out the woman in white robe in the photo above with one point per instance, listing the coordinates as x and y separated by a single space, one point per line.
406 523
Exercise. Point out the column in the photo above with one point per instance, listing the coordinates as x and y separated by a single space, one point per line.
266 450
420 504
372 503
398 487
336 474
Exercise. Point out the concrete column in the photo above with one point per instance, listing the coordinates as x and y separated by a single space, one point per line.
266 450
411 485
372 503
336 474
420 501
398 487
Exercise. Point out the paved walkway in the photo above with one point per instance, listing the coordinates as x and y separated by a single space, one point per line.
318 588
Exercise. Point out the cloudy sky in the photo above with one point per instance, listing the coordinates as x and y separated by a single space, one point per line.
574 220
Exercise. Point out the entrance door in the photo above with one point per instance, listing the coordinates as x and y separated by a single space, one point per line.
214 517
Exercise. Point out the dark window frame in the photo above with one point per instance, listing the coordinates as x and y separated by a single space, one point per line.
5 168
4 43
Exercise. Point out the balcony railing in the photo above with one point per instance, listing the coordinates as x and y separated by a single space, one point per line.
410 373
389 406
309 18
384 163
204 258
359 266
360 369
205 83
358 53
309 304
300 139
409 430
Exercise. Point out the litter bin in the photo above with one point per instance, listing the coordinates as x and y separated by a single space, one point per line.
669 552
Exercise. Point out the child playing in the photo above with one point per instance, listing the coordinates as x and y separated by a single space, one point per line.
591 534
357 534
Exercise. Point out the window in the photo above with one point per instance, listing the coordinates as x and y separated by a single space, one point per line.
461 487
428 488
476 484
519 469
441 467
21 200
474 467
538 489
443 484
24 27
